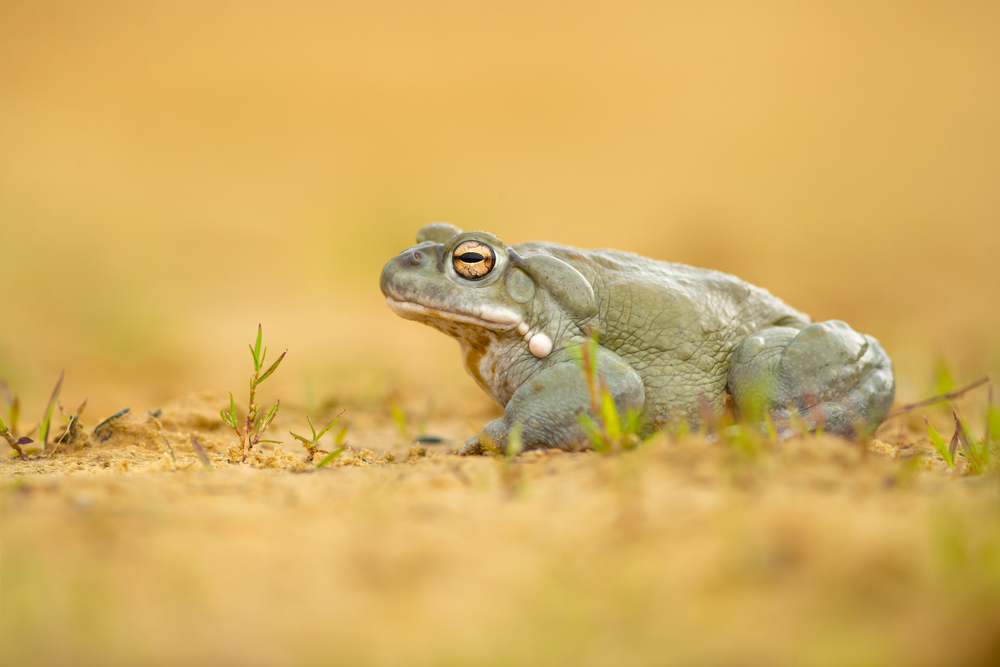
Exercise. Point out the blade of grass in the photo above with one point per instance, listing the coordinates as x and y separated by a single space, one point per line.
199 451
609 413
43 429
15 413
514 443
593 431
265 421
329 457
170 450
399 418
273 368
939 444
327 427
971 452
255 349
992 419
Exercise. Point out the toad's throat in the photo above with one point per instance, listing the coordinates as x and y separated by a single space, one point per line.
500 319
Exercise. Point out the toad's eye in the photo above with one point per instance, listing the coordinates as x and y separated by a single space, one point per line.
473 259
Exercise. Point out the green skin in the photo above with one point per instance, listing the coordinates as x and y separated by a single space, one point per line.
675 341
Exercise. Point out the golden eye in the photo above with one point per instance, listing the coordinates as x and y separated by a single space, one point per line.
473 259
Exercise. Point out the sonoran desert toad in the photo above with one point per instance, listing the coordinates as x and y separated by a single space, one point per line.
673 339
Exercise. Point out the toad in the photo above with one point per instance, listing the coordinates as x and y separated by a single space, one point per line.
673 340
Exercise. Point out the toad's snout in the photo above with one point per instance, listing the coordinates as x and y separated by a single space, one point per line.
406 267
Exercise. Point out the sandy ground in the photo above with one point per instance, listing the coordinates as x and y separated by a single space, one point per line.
811 552
174 173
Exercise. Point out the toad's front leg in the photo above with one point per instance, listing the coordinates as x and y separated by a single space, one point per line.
547 404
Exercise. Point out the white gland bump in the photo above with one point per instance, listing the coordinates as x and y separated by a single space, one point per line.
540 345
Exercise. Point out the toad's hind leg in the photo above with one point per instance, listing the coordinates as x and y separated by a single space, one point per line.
825 373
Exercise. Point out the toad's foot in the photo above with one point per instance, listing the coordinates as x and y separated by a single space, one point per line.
546 407
826 374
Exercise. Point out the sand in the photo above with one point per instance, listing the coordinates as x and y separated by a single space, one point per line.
815 551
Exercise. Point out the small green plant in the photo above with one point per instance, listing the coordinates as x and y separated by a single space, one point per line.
9 433
71 425
170 449
199 451
8 429
947 451
992 421
400 420
984 454
606 431
408 430
980 454
330 456
511 474
256 421
745 442
13 407
514 443
312 444
45 425
17 444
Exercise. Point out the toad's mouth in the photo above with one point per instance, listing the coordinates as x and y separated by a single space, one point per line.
500 319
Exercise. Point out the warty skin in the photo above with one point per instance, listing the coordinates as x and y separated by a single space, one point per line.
673 339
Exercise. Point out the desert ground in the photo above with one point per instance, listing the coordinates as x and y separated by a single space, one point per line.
174 174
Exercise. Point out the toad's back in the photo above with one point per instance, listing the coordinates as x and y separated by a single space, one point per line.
675 325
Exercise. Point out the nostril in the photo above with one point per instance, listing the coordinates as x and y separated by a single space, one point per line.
417 256
413 257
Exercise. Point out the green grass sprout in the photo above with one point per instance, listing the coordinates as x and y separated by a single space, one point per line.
511 473
170 450
772 432
992 421
745 443
13 407
17 444
946 451
514 443
71 424
312 444
9 431
256 422
603 425
45 425
410 427
200 453
331 455
981 455
400 420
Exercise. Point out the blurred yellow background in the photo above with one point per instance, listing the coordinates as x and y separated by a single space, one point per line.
173 173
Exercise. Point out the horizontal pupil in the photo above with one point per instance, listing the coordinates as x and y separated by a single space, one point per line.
471 257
